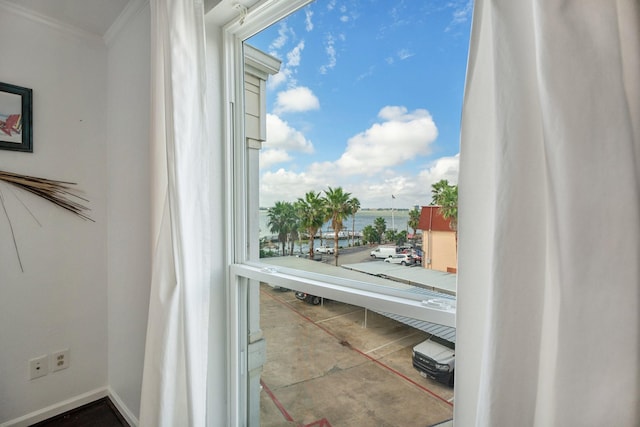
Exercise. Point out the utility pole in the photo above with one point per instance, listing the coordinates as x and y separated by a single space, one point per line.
393 222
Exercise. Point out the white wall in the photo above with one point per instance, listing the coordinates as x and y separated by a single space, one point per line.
86 285
59 301
129 242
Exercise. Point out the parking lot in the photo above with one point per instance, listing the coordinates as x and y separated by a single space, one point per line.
324 368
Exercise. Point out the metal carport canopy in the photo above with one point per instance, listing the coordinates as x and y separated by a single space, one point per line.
445 332
422 277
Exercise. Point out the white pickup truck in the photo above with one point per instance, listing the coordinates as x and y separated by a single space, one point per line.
325 250
435 360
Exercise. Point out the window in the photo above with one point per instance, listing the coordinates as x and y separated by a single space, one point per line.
247 270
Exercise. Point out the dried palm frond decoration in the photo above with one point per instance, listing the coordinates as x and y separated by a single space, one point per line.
59 193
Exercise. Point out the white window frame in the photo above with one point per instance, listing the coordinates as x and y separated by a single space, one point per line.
245 271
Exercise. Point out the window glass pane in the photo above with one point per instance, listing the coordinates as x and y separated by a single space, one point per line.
337 364
361 121
347 145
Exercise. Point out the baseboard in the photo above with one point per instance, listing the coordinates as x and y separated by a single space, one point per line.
59 408
131 419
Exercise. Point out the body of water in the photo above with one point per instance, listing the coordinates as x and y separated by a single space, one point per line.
363 218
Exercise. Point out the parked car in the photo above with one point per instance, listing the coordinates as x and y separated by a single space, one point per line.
416 253
402 259
308 298
325 250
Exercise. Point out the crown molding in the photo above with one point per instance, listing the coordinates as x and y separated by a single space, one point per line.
50 22
130 11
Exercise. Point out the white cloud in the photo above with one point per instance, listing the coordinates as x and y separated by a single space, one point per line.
394 112
461 13
278 79
293 57
282 136
373 192
443 168
324 171
270 157
288 69
283 36
308 24
344 18
331 5
366 74
370 167
298 99
376 194
331 54
286 186
404 54
400 137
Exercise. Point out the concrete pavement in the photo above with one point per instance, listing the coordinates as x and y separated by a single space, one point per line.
325 369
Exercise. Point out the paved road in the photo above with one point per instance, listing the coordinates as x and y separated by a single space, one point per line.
351 255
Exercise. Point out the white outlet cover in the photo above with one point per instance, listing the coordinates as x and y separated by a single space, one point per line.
59 360
38 367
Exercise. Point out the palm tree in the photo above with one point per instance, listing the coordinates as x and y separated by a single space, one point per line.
355 207
312 214
369 234
294 230
445 195
380 225
281 220
414 220
339 207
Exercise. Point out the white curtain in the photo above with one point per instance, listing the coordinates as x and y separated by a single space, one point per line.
549 227
175 366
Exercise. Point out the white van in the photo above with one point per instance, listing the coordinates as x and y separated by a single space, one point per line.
383 252
435 360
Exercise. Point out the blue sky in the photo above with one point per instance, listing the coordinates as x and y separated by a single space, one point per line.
368 97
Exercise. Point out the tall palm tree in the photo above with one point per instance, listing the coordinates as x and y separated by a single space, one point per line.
312 213
355 207
445 195
414 220
294 230
339 207
281 220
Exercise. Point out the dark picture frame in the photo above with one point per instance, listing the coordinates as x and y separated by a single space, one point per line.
16 120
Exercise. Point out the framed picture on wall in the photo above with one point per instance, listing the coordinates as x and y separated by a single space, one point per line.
15 118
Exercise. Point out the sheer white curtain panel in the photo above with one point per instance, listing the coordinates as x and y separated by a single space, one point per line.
549 228
175 366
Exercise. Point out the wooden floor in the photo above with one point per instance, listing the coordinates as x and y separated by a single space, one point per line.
101 413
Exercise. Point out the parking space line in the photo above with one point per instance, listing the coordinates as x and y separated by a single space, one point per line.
319 423
392 342
276 402
338 316
406 378
347 344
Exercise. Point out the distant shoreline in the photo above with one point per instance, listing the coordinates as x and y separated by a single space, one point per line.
381 210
